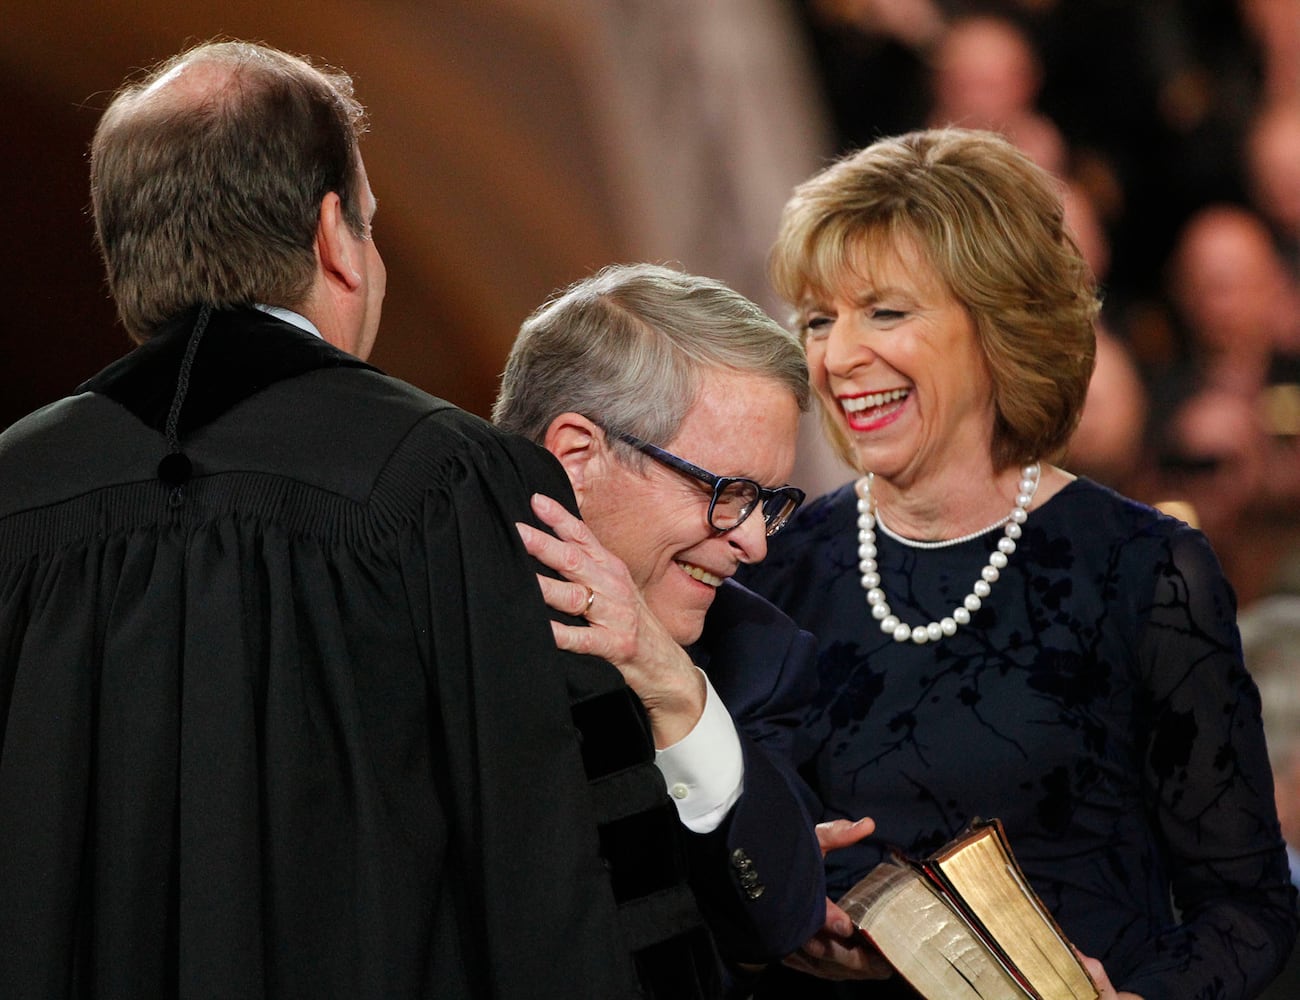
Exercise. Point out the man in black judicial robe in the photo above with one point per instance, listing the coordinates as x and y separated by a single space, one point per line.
280 710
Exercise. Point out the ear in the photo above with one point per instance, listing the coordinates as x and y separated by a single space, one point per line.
580 446
336 244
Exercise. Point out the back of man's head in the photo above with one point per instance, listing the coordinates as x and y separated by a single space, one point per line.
628 347
207 178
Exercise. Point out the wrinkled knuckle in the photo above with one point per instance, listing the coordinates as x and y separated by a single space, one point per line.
582 532
624 648
570 560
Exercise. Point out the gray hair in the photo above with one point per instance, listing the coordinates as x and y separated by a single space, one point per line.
627 348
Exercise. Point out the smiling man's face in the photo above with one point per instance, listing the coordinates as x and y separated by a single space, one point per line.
656 519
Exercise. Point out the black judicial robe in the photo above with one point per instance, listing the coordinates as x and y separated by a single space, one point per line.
299 729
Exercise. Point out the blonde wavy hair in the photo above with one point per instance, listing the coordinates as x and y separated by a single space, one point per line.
991 224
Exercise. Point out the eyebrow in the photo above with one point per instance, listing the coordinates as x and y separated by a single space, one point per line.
869 296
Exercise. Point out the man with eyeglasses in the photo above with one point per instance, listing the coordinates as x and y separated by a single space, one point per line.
640 380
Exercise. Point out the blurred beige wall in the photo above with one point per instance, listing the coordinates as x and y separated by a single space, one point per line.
515 146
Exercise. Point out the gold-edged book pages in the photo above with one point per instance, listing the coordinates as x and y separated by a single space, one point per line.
930 944
964 924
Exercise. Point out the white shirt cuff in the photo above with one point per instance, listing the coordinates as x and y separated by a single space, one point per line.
705 770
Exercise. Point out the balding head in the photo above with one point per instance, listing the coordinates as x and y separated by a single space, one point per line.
207 178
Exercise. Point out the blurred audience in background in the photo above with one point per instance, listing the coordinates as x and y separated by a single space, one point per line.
1209 467
1225 437
1270 640
986 74
1108 445
1272 168
1233 304
1174 128
1275 30
582 133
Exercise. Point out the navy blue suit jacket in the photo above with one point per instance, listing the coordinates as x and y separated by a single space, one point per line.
762 666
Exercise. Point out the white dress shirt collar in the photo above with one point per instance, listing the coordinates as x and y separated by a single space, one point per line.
289 316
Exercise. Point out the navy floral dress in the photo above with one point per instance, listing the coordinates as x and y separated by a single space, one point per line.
1097 704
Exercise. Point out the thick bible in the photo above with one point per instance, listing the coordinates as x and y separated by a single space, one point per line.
965 924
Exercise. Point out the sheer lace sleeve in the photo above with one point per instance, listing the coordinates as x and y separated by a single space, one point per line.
1209 790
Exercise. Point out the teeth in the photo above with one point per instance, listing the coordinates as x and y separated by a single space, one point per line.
871 401
703 575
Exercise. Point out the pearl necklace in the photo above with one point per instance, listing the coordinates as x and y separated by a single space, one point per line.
868 521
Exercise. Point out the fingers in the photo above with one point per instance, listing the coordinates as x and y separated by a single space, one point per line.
595 584
1098 973
800 963
554 515
837 921
573 551
839 833
563 551
797 962
830 958
576 639
550 551
571 599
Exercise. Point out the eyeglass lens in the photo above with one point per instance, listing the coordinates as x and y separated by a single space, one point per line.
777 510
733 502
735 499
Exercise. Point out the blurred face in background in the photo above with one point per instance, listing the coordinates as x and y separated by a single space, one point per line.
1228 282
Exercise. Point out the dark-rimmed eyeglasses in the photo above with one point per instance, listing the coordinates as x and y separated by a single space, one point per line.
734 497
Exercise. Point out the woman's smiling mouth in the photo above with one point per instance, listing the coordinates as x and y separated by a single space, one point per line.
865 412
